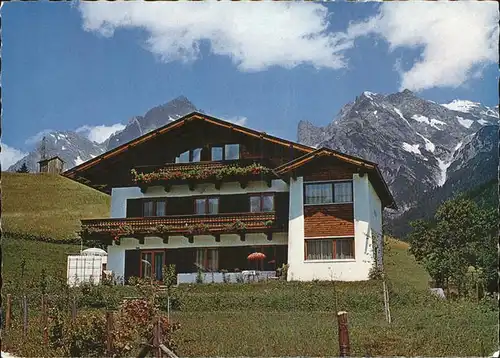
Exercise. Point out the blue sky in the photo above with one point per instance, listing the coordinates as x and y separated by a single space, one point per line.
66 66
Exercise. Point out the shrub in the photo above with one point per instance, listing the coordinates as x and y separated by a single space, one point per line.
86 337
199 276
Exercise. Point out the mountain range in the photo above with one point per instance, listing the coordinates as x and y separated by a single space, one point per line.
425 150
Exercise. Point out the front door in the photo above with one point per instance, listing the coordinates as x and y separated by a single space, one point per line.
152 264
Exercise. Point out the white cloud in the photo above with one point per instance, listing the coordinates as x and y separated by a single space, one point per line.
37 137
99 134
254 36
457 39
9 156
240 120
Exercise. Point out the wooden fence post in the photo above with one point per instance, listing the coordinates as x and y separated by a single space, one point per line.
73 309
45 321
157 338
25 316
8 314
109 333
344 346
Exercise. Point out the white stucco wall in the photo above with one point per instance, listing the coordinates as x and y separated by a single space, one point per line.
356 269
376 219
296 229
116 253
119 196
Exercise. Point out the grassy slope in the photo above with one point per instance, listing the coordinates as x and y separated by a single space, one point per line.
48 205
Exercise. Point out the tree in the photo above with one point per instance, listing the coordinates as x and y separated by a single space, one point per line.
459 237
23 169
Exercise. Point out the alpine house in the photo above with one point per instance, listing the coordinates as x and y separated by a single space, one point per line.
201 192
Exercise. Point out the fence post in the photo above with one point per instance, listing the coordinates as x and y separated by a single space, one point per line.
109 333
8 314
44 320
73 309
157 338
25 316
344 346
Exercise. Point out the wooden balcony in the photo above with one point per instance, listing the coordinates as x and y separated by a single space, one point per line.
188 226
202 172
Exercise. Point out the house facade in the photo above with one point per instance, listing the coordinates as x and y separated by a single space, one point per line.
202 193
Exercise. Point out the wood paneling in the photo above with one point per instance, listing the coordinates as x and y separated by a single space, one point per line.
328 220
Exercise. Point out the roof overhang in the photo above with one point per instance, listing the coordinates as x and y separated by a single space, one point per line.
364 166
194 116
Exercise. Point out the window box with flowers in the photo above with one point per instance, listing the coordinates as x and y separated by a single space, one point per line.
217 175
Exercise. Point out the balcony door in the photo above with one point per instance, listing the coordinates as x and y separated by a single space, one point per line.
207 259
152 264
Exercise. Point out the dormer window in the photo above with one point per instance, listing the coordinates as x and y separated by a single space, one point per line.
214 153
189 156
232 152
225 152
217 153
183 157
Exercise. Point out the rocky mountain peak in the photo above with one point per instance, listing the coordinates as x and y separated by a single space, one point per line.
413 140
154 118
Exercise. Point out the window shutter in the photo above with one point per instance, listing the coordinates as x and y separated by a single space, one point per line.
134 208
132 263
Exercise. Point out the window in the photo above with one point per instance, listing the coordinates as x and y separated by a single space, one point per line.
157 207
343 192
183 157
207 259
217 153
328 193
161 207
196 155
149 208
261 203
328 249
232 151
319 193
151 264
204 206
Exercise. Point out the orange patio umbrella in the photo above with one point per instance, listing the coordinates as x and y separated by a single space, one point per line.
254 256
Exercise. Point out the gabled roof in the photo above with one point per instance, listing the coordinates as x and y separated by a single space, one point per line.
310 153
49 159
371 168
175 124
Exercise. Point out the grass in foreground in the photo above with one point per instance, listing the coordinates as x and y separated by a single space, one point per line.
48 205
291 319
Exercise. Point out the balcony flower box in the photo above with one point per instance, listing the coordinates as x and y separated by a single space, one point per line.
203 173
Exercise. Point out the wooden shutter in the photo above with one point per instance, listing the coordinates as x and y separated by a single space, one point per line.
134 208
132 263
281 202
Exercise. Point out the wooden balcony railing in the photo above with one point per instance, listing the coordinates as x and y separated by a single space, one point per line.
182 225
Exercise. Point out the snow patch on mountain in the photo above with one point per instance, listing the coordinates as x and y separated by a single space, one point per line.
401 116
369 94
464 122
461 105
483 122
79 160
411 148
432 121
429 146
443 166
